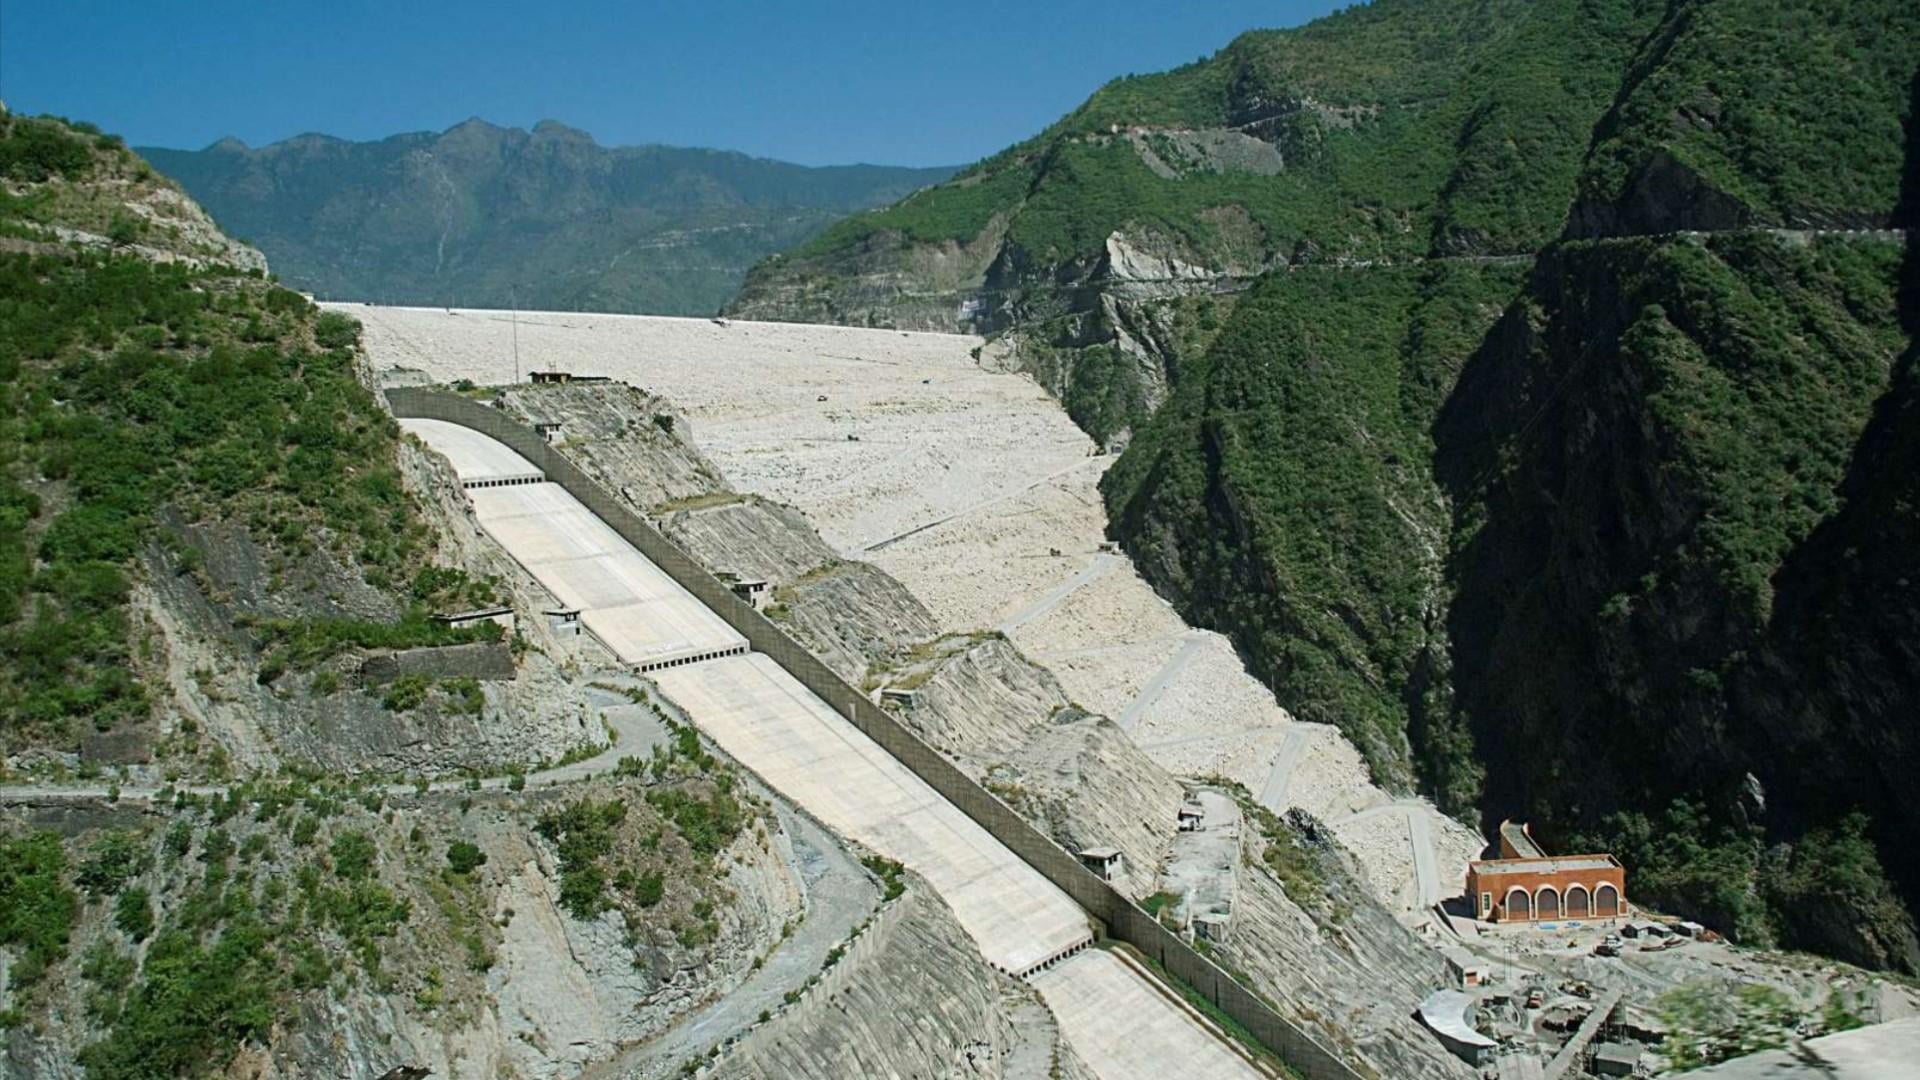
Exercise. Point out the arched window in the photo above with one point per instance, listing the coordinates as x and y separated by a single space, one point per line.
1519 904
1547 903
1578 901
1606 900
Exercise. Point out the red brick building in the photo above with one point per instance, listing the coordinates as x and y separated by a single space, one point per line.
1525 885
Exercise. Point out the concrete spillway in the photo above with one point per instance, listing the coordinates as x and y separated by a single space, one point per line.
765 719
626 601
1118 1020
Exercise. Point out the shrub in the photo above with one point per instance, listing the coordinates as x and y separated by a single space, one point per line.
133 913
405 693
353 854
465 858
333 330
113 860
584 834
649 889
36 906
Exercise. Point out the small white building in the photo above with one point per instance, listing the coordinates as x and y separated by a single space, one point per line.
1104 861
501 616
1467 970
752 590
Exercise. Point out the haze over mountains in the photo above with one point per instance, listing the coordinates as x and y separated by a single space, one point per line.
479 214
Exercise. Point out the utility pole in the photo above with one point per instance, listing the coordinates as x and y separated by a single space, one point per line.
515 300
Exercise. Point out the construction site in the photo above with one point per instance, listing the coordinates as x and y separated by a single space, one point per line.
872 568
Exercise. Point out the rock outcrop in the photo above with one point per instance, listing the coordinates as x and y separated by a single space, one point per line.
910 997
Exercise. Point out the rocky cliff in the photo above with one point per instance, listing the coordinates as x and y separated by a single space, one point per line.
1508 381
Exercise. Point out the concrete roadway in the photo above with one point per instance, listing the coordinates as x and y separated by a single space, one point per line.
1426 871
1094 571
1195 641
839 896
1273 794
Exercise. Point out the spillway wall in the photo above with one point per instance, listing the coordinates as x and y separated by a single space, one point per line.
1124 919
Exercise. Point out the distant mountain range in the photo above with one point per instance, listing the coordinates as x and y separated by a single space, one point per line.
480 215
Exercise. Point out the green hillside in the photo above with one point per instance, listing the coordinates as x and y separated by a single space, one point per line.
133 389
1502 377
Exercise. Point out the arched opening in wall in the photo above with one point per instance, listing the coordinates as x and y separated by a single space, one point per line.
1519 904
1606 900
1547 902
1578 901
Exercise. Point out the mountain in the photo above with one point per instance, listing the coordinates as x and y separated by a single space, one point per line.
479 215
210 530
1525 386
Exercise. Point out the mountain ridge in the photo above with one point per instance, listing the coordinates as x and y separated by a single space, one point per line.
484 215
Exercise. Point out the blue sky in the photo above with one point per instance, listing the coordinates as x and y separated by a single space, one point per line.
829 81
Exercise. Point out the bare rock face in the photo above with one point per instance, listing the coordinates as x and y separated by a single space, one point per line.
852 615
911 997
890 281
1079 778
629 440
1334 959
750 538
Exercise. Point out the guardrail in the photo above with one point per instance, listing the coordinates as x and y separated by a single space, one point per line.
1123 918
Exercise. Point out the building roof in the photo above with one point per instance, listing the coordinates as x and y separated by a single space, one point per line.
1100 853
1461 958
1449 1013
477 613
1551 865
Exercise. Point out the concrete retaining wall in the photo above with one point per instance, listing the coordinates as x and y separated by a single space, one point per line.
1123 919
490 660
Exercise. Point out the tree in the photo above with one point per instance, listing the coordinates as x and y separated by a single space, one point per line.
465 858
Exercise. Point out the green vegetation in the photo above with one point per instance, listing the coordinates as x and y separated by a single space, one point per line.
1792 109
1296 454
133 913
1707 1025
128 388
34 149
114 859
583 831
350 222
464 858
1404 128
1754 366
708 823
890 873
36 905
194 1001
